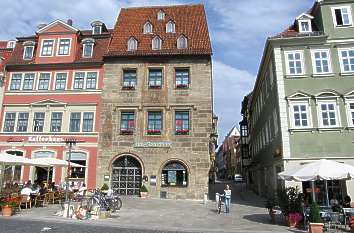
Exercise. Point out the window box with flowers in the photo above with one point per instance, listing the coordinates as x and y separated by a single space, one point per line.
7 204
154 132
182 131
128 88
182 86
126 131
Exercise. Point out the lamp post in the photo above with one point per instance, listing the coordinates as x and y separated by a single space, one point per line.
70 142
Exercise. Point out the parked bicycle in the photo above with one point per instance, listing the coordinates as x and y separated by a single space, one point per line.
106 202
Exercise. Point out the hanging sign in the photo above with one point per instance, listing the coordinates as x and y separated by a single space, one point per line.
45 139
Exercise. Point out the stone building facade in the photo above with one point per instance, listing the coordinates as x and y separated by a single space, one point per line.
157 113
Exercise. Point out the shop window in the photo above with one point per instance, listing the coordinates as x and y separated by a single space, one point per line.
174 174
79 158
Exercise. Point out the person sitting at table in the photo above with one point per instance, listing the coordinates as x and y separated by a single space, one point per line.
26 191
43 189
29 183
334 203
347 202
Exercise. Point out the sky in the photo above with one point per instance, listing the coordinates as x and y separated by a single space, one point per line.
238 31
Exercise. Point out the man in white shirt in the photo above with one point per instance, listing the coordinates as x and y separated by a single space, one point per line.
26 191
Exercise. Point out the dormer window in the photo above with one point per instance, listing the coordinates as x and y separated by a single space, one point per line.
182 42
147 28
87 49
11 44
28 50
161 15
132 44
156 43
64 47
304 26
96 27
170 27
47 48
342 16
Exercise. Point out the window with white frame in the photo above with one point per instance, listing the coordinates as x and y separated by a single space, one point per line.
182 42
346 59
170 27
294 62
38 121
321 61
351 114
64 47
28 81
9 123
91 80
328 114
342 16
87 122
304 26
60 82
79 80
97 29
43 83
75 122
161 15
132 44
147 28
55 122
300 114
47 47
87 50
22 122
156 43
28 52
16 81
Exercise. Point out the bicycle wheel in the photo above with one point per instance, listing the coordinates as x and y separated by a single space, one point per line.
118 202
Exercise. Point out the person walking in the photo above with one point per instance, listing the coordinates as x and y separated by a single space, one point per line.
227 195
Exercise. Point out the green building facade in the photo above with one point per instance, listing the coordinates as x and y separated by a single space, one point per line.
302 105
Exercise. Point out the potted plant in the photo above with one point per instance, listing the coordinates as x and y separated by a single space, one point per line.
316 225
290 205
270 205
143 191
7 204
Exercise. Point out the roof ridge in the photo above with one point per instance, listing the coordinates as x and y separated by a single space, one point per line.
162 6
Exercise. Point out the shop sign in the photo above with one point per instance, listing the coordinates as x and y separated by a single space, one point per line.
45 139
152 144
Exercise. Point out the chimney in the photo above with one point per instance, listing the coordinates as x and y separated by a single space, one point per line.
70 22
42 25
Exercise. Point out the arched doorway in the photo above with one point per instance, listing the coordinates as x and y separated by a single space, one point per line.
126 175
41 173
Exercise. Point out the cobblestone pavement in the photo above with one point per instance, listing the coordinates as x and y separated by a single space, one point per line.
248 215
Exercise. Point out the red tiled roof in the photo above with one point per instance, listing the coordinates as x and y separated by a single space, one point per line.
101 44
190 21
5 54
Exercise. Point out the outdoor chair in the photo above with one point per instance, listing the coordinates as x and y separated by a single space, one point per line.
50 197
41 200
25 200
58 197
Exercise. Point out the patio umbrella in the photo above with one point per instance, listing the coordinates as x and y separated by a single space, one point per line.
51 162
320 170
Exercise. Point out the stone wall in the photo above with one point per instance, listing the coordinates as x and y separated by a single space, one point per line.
192 150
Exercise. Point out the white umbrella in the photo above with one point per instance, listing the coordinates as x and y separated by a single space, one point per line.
320 170
56 162
9 159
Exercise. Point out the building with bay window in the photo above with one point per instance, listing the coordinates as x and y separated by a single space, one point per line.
157 113
302 108
53 86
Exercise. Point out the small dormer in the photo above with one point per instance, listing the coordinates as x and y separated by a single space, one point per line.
87 47
161 15
147 28
304 24
170 27
28 50
11 44
97 27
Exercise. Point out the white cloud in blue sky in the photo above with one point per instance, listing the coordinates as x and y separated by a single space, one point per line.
238 30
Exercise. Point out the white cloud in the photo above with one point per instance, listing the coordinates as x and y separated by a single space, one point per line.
230 86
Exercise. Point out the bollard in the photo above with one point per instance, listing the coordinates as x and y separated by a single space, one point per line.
205 199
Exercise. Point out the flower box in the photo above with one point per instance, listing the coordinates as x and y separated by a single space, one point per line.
154 86
182 86
153 132
128 88
182 131
126 131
